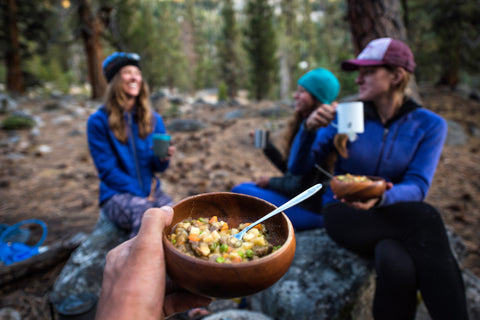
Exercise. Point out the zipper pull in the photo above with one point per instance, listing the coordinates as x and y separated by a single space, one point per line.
385 133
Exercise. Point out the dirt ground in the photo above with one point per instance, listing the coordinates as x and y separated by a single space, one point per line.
61 186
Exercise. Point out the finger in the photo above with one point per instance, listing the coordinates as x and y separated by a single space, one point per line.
180 302
155 219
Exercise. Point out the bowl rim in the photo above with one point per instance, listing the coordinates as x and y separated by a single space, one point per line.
247 264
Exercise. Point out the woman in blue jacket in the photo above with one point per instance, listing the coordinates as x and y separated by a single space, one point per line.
402 143
314 88
120 137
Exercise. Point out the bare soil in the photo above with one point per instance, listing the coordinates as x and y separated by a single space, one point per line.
61 186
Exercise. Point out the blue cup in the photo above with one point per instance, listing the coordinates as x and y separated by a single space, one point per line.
161 142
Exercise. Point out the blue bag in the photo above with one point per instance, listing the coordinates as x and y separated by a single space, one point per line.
11 252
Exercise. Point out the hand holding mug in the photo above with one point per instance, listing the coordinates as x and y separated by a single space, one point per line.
321 117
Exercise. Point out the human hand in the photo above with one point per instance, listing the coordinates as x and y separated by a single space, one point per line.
134 279
262 182
321 117
170 151
251 134
368 204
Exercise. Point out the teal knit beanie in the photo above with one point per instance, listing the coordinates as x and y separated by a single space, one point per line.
322 84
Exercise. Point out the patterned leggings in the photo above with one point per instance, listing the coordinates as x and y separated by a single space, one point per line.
126 211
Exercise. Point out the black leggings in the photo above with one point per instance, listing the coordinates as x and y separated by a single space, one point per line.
410 247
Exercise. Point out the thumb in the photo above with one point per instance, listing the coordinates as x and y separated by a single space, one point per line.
154 220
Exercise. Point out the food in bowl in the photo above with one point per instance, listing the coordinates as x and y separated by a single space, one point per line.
229 280
357 187
210 239
352 178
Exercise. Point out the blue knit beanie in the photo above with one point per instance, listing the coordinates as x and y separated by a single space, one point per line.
322 84
116 61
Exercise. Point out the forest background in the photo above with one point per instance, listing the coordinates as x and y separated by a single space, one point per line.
59 45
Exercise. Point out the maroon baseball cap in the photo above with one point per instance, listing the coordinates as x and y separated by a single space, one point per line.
383 51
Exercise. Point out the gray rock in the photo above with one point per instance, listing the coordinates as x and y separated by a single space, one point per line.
326 281
235 114
322 282
236 314
472 286
83 272
9 314
275 112
7 104
456 135
185 125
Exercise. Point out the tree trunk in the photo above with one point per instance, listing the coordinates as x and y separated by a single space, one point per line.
15 81
91 29
372 19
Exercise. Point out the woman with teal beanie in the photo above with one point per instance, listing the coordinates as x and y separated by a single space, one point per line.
316 87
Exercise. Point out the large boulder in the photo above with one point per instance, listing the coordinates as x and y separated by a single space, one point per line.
326 281
82 275
323 282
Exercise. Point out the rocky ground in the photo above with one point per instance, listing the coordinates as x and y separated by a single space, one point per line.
49 175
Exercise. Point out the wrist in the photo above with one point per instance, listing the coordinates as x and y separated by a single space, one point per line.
308 128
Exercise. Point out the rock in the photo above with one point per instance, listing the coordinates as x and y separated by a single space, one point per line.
83 272
322 283
235 114
7 104
62 119
42 150
235 314
472 286
326 281
9 314
185 125
274 112
456 135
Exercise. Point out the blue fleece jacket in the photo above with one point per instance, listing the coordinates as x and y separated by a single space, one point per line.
123 168
405 151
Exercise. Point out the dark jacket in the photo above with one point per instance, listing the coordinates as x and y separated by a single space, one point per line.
291 185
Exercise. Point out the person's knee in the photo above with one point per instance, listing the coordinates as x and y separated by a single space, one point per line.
393 262
242 187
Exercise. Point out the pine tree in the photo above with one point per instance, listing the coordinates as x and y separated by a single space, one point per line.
261 46
227 48
289 47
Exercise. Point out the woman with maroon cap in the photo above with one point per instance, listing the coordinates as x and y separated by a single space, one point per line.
402 143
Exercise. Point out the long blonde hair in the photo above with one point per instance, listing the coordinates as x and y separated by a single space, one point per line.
115 99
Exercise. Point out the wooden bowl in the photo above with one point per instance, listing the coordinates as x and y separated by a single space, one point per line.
358 191
221 280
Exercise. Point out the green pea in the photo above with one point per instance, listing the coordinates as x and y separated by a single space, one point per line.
249 253
224 247
241 254
220 260
174 241
213 246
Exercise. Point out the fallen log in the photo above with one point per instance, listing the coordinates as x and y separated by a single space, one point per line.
51 256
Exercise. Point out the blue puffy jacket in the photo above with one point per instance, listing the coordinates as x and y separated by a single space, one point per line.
405 151
123 168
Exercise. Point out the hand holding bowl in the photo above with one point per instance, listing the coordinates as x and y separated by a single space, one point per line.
357 188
